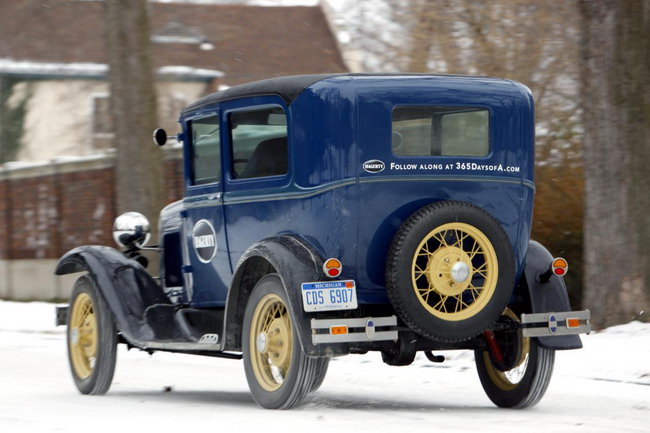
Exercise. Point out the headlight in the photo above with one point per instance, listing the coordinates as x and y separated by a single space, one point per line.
131 229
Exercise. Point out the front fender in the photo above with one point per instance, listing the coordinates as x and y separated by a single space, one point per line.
547 297
296 262
125 285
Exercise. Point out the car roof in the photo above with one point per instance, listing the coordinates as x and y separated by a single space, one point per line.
289 87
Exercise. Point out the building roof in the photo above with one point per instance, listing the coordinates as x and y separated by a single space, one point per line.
246 43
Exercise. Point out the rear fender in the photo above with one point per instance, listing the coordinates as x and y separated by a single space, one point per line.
296 262
125 285
547 297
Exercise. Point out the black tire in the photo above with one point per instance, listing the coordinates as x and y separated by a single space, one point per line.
450 271
524 381
91 338
321 371
279 374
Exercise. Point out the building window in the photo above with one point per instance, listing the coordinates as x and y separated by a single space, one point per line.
102 123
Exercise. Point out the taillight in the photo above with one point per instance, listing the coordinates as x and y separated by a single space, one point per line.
560 266
332 268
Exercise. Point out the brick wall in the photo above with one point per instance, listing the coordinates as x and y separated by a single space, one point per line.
48 209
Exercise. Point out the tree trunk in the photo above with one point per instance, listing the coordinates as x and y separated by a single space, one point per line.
615 91
139 163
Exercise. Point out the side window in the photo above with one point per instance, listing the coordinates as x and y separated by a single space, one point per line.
259 143
205 151
441 131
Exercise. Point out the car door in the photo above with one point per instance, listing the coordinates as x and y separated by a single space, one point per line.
257 182
207 266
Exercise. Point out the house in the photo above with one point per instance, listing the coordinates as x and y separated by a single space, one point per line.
53 89
55 122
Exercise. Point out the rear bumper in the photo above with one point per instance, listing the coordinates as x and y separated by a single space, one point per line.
354 330
556 324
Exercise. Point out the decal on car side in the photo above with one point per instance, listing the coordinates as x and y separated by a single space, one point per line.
204 239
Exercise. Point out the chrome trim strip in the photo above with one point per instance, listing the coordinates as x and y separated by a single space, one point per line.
364 333
555 324
353 337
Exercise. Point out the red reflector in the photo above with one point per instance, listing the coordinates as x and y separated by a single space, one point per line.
558 271
333 272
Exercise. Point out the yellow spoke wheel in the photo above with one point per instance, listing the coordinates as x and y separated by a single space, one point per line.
92 338
509 379
454 271
271 342
83 336
450 270
278 372
524 379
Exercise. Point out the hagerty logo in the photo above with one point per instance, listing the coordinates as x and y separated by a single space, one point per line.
374 166
204 239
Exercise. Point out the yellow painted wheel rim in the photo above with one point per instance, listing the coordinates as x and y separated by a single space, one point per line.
271 342
509 380
440 261
83 336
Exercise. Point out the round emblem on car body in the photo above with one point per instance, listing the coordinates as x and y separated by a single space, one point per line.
374 166
204 239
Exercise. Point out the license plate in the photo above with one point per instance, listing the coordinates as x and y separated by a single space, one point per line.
329 295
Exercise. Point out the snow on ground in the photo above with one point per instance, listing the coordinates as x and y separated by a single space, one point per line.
604 387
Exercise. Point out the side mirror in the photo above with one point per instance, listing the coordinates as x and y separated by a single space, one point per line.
160 137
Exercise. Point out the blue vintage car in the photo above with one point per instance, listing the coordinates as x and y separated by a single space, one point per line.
327 215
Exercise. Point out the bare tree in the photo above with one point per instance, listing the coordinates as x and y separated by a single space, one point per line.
615 61
139 164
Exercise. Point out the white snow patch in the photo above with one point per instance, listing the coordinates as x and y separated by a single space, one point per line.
599 388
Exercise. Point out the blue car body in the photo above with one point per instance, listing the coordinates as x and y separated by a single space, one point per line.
335 126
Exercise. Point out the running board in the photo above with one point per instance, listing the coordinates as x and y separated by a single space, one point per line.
200 348
555 324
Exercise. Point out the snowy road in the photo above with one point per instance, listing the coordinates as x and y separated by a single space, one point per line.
602 388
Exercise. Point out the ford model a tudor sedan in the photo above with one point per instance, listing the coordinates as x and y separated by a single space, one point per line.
327 215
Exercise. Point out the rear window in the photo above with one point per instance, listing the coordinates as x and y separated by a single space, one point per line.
441 131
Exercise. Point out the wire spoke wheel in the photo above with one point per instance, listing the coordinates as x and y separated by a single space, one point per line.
523 377
83 336
450 270
278 372
92 338
454 271
271 342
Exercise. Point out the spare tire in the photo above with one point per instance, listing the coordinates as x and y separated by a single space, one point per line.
450 271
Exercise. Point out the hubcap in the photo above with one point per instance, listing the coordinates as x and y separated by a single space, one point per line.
261 342
460 272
